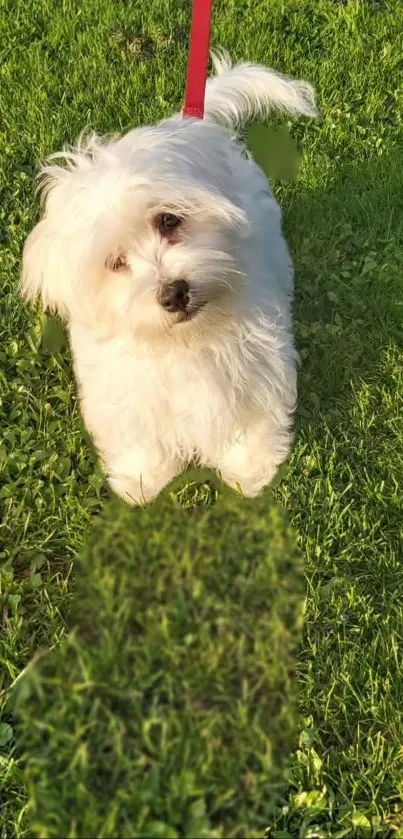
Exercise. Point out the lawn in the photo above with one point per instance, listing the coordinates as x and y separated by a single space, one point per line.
168 708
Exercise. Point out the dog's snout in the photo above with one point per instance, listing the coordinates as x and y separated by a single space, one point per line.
174 297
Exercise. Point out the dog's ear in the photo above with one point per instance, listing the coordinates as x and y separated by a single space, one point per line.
46 254
41 267
43 259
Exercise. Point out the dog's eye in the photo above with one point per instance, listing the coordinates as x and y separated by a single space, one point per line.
167 222
117 263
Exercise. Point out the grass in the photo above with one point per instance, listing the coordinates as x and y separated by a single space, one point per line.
64 65
170 709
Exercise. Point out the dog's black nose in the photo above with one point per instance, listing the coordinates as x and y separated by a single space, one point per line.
174 297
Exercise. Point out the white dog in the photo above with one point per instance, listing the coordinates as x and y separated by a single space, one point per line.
163 251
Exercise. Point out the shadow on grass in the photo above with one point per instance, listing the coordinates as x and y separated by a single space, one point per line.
347 242
342 493
170 710
348 245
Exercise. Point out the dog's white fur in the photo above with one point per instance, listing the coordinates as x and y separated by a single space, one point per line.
158 392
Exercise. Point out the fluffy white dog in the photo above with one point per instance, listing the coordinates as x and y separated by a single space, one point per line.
163 252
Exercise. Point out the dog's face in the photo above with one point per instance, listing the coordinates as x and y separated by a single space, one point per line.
141 234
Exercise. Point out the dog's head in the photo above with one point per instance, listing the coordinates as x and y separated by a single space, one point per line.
148 232
141 233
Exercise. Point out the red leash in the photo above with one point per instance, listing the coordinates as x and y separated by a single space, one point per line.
198 59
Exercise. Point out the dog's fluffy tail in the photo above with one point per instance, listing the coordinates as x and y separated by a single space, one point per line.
236 94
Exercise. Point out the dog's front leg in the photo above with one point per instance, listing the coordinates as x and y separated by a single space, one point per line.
138 474
251 461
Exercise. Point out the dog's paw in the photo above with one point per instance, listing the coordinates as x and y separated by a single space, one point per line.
250 485
135 492
252 462
135 483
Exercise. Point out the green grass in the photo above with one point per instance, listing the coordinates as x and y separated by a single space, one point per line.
66 64
170 709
